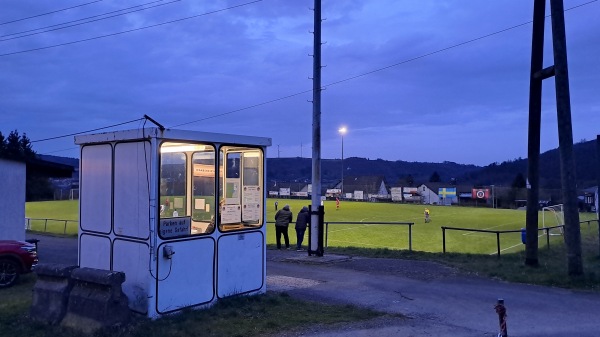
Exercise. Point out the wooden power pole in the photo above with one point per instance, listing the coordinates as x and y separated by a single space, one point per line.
565 136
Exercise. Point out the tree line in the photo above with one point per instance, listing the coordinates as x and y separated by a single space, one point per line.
19 148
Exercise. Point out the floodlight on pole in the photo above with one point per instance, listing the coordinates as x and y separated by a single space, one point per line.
342 131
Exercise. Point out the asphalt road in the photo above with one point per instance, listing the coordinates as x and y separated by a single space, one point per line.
438 300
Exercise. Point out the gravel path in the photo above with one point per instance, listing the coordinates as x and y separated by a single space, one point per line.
434 299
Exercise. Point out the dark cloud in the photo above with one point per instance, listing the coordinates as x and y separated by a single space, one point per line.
466 104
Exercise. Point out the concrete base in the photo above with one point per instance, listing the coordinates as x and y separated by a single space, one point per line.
51 292
96 300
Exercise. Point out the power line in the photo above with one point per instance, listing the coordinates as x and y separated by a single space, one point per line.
447 48
82 23
379 69
61 150
132 30
56 11
332 83
82 132
245 108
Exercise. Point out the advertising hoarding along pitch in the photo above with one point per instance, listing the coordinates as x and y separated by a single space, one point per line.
480 193
447 192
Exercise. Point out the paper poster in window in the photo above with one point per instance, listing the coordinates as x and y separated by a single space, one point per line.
199 204
231 214
252 196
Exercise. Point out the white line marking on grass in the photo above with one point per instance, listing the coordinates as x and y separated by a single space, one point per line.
488 228
511 247
480 235
362 243
348 229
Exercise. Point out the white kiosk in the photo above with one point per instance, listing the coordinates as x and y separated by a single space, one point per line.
181 213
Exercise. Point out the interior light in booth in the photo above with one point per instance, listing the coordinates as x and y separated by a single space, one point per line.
170 148
252 154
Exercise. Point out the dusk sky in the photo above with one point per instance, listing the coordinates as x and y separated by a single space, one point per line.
399 74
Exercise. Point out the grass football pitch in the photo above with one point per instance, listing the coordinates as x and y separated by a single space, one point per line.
426 237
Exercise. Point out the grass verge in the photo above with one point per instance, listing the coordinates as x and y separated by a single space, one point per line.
551 271
237 316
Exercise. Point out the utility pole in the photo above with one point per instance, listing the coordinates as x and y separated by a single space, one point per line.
572 230
316 235
565 136
533 148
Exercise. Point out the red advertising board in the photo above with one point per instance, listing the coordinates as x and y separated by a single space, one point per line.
480 193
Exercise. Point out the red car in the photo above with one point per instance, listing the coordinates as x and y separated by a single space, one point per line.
16 258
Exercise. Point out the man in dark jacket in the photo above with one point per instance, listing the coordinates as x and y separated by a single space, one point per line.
283 217
302 220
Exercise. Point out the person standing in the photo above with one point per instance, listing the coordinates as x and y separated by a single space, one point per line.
283 217
276 204
427 219
337 204
302 220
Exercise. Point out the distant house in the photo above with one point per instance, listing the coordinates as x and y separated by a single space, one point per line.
364 187
428 194
281 189
62 173
588 201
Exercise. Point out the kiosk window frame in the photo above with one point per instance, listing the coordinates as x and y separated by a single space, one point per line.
241 187
234 178
195 214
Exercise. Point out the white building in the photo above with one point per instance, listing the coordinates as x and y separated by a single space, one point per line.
428 195
12 207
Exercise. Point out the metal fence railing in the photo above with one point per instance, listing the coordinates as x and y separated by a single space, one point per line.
327 223
498 233
37 224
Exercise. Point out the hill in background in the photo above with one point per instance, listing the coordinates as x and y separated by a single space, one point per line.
401 173
396 172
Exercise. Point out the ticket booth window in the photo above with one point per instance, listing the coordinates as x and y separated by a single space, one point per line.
173 183
203 191
187 189
240 188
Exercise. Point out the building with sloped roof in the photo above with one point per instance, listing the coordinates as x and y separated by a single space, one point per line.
364 187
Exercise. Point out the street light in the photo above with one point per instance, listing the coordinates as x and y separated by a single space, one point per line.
342 132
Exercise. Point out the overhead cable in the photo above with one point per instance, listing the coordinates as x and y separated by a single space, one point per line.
131 30
82 132
379 69
335 82
69 25
56 11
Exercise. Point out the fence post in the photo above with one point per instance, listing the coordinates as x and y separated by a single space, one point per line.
410 237
498 242
327 234
548 239
444 240
65 229
45 224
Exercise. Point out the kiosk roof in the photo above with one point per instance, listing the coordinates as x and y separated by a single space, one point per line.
170 134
